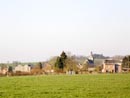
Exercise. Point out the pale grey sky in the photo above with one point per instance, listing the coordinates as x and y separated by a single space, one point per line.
35 30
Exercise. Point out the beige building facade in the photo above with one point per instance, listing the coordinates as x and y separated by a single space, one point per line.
112 66
21 68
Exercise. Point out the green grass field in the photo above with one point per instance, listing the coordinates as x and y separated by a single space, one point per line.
66 86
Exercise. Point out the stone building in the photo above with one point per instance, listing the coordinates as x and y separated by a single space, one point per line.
112 66
21 68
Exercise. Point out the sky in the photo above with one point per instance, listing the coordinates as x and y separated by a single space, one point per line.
36 30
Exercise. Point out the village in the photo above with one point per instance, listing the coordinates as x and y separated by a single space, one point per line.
94 63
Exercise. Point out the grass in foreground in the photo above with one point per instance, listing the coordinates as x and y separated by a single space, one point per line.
65 86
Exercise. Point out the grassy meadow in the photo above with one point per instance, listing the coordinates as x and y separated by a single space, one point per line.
66 86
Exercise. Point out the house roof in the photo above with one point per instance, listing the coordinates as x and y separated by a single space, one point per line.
111 61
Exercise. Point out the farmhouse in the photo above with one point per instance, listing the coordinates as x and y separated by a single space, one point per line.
113 66
25 68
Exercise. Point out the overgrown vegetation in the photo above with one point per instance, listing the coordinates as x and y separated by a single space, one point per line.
65 63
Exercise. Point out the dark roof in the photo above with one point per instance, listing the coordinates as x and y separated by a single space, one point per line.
112 61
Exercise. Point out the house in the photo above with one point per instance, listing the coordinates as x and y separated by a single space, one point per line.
48 68
21 68
112 66
18 68
26 68
3 70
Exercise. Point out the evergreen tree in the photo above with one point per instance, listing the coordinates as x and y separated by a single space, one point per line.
10 69
60 62
126 62
63 55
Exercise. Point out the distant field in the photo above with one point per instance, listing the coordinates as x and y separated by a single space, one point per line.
66 86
